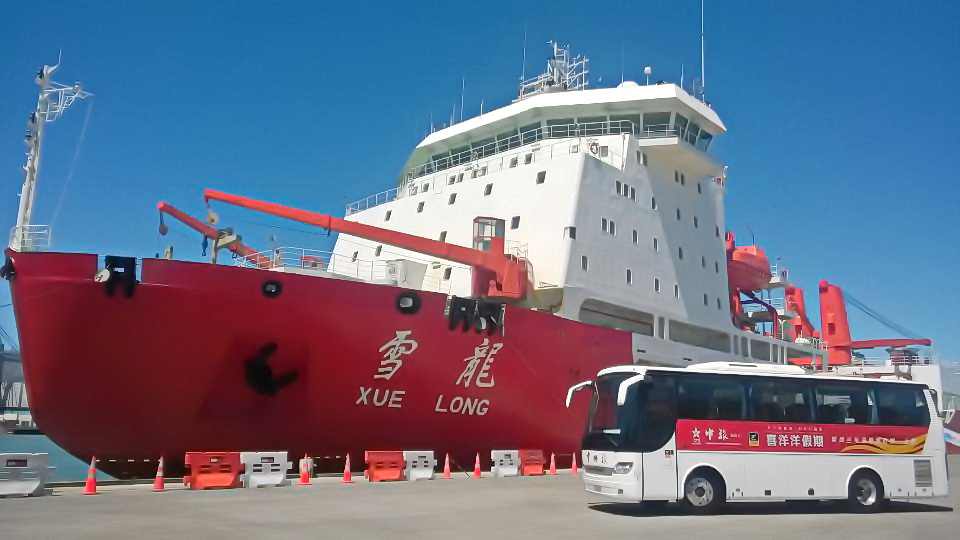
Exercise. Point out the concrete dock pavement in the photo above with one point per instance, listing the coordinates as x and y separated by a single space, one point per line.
529 507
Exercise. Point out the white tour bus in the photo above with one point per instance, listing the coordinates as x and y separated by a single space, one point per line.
718 432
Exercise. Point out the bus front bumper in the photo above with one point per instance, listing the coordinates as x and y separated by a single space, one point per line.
623 487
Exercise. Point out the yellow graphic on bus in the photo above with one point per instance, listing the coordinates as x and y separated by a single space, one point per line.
909 446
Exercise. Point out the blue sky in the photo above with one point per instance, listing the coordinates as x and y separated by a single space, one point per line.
840 118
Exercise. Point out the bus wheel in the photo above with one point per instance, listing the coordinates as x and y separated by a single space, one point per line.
865 492
703 492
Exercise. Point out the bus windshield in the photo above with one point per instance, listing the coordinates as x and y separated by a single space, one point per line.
645 421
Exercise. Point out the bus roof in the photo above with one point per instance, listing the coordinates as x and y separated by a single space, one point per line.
748 368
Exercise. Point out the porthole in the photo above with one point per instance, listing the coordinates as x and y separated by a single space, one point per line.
408 303
272 288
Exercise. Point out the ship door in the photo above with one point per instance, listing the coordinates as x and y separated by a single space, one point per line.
488 234
659 441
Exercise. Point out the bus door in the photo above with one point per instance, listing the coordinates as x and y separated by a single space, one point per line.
659 441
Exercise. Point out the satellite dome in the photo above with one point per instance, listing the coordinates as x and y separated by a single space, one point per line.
628 84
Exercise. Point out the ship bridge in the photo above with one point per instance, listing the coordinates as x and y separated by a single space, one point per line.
663 116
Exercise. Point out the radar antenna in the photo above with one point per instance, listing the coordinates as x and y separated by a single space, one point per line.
54 99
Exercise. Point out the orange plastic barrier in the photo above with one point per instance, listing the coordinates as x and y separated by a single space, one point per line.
383 465
531 462
210 470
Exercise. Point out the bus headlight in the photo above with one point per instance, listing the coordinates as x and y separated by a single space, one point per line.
623 467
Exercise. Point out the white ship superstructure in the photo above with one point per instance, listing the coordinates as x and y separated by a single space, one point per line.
609 194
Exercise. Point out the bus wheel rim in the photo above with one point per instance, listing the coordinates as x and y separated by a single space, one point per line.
699 492
866 492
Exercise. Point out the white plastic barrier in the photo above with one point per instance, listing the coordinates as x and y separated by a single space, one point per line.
264 469
420 465
24 474
505 463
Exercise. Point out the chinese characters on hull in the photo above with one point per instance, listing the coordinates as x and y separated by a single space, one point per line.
478 373
393 352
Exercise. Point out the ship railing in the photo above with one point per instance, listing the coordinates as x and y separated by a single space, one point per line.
535 153
556 131
916 358
30 237
351 266
776 302
516 249
372 200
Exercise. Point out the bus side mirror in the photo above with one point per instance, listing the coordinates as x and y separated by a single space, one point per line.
576 388
624 386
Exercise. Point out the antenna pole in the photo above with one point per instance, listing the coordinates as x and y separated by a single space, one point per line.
703 56
523 67
54 98
463 87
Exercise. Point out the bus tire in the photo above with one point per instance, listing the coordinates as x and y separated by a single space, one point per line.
865 492
703 492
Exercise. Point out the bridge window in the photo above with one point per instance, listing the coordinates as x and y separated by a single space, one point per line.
680 125
704 141
760 350
386 217
515 222
604 314
656 123
698 336
561 127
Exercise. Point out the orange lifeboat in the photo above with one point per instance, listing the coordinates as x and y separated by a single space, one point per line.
748 268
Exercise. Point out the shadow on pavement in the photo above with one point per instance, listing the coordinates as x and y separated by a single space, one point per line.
770 508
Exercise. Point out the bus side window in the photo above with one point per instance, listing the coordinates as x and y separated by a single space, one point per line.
844 404
901 406
780 401
706 398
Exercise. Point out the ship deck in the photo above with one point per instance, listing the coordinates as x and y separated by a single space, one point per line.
530 507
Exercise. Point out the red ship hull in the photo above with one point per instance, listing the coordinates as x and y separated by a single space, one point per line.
167 369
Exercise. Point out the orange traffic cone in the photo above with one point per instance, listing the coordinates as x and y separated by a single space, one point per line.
304 472
158 481
90 486
573 468
346 472
476 467
446 468
553 464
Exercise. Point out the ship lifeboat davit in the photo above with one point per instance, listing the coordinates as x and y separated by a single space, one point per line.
748 268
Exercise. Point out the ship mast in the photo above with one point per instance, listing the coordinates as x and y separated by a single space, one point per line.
54 98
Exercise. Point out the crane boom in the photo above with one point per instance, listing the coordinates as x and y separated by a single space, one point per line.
240 249
495 274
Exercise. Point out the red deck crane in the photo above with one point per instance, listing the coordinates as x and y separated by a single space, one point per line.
237 247
495 273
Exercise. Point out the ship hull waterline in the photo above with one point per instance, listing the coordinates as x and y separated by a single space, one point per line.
168 369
